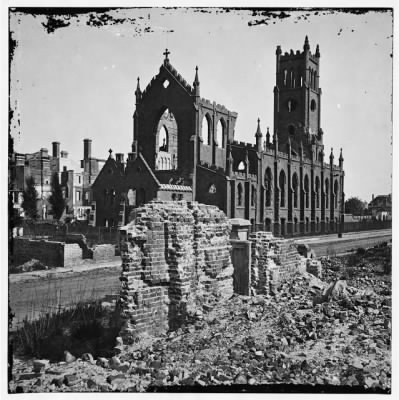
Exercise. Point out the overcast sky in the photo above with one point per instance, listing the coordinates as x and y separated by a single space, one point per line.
78 81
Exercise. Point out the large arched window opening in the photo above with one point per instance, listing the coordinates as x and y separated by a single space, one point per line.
240 200
317 192
206 130
327 192
281 181
220 133
295 189
336 193
166 142
268 187
306 187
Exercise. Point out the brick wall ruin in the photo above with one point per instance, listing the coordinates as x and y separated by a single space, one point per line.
50 253
273 261
175 261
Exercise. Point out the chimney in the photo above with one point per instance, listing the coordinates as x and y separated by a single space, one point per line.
56 149
43 152
19 159
64 154
86 149
119 158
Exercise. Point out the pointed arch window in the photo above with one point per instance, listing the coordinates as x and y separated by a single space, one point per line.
306 187
166 141
240 196
282 181
327 192
317 192
268 187
253 196
295 189
206 130
336 190
241 166
220 133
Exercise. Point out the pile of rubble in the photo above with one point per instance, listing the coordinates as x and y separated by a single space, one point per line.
28 266
334 333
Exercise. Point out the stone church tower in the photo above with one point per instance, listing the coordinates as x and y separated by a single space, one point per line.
297 99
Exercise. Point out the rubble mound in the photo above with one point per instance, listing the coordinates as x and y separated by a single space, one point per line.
29 266
253 343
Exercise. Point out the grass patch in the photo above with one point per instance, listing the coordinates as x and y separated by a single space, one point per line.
83 328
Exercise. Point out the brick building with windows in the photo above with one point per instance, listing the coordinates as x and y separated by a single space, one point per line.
75 179
184 147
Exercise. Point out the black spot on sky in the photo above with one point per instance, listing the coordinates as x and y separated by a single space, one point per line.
54 23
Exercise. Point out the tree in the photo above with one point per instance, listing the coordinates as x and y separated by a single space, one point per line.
30 198
56 199
354 206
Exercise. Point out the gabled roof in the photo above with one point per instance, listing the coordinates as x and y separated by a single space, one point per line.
110 163
141 157
166 66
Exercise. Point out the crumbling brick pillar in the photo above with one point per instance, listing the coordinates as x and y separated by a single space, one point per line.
175 260
143 295
212 251
273 260
179 232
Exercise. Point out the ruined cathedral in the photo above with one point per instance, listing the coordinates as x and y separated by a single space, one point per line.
184 149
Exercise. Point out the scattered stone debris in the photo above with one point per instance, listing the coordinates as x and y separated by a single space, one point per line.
330 332
29 266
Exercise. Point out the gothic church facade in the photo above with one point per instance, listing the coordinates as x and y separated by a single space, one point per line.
184 148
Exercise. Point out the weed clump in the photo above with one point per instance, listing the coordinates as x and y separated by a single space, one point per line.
86 327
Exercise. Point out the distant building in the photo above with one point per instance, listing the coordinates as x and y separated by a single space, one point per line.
380 207
184 147
74 178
